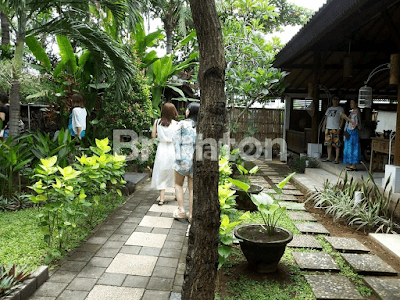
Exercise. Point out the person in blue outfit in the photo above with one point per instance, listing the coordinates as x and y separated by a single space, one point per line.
184 142
352 149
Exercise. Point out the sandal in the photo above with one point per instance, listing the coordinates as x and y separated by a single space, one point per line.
178 214
336 162
160 202
351 169
326 160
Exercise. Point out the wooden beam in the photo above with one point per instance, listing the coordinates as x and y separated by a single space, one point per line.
396 161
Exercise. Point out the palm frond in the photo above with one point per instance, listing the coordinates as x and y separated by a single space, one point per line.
104 49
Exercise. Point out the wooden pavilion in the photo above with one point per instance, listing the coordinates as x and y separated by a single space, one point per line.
335 53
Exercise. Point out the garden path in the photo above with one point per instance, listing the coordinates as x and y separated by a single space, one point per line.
139 252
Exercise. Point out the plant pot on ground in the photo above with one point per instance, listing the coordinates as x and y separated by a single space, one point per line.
264 244
262 250
243 199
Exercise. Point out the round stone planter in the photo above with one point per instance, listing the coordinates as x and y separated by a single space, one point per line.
262 251
243 200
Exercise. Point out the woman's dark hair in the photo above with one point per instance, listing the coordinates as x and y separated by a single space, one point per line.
168 113
3 98
193 108
78 100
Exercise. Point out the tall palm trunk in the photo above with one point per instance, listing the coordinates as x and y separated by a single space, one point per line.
5 29
169 25
15 109
202 258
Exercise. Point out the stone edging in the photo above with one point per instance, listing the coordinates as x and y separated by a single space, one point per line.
29 286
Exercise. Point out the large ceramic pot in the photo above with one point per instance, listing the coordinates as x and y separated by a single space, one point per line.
262 251
243 199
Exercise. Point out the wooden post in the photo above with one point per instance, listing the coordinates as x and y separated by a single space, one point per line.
315 95
396 160
394 69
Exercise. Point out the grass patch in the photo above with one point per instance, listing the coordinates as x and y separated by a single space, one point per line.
21 238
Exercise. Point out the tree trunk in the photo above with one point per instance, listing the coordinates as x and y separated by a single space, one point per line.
15 108
202 259
5 29
169 26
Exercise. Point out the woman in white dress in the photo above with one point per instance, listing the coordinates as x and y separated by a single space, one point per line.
164 129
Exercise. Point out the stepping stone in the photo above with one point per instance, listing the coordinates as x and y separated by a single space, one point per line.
304 241
269 191
165 208
292 205
301 216
368 264
141 265
289 187
276 181
159 222
283 197
100 292
347 245
146 239
312 228
332 287
386 288
292 192
315 261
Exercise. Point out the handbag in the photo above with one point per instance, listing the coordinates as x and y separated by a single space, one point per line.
346 134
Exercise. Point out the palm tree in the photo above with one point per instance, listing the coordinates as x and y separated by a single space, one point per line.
174 15
70 21
5 29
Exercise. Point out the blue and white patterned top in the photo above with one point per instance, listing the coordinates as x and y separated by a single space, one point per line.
184 141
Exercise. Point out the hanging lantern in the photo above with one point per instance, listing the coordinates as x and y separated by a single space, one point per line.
347 67
365 97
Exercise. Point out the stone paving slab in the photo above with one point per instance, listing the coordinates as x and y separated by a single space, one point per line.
289 187
304 241
293 192
311 228
131 264
166 208
386 288
292 205
390 242
159 222
146 239
311 261
269 191
104 292
283 197
301 216
348 245
368 264
332 287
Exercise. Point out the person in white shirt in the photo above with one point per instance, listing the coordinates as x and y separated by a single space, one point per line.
332 126
77 119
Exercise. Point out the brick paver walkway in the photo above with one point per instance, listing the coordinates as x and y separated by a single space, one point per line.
138 253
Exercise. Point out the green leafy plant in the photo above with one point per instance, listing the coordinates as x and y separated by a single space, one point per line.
267 207
372 212
71 192
10 277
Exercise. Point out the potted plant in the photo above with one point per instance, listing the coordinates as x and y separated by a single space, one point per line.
243 198
263 245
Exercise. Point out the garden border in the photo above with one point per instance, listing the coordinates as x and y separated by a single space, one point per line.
29 286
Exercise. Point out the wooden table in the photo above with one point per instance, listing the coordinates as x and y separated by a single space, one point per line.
380 145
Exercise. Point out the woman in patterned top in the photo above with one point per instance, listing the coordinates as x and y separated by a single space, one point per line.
184 141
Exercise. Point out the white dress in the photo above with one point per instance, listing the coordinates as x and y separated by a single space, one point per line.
163 173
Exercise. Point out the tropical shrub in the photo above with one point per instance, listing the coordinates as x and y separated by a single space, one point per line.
68 193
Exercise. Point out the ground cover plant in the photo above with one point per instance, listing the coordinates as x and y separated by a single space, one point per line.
371 213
